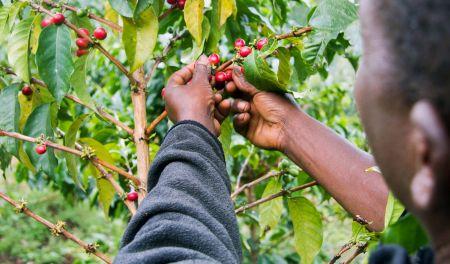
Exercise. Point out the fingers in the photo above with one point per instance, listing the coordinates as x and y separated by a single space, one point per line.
240 106
240 122
181 77
202 70
241 83
230 87
222 110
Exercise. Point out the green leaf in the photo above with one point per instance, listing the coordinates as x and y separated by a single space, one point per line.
99 149
226 8
259 73
37 124
140 38
302 69
13 12
333 15
226 131
4 14
19 48
193 16
270 212
123 7
407 232
308 231
9 117
78 80
105 194
54 60
394 209
284 67
141 6
69 141
35 33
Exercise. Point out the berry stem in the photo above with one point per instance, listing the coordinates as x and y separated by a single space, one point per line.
51 226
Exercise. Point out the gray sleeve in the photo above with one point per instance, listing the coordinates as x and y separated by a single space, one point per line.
188 215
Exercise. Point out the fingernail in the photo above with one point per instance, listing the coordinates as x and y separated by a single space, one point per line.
203 60
242 106
237 71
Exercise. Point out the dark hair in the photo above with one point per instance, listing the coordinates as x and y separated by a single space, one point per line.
418 32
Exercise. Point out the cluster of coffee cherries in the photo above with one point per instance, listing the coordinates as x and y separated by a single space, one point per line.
83 43
177 3
221 77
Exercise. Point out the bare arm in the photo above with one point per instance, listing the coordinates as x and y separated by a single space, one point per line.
272 121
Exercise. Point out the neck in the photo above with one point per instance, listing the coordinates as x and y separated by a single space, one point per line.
441 243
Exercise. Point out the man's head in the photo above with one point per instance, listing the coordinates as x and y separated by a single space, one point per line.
403 95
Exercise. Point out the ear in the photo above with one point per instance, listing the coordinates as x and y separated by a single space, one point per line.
429 186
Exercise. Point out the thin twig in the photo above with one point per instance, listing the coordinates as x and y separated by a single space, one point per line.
244 166
131 206
72 151
359 250
97 45
296 33
77 100
344 249
155 122
273 196
90 15
57 229
255 182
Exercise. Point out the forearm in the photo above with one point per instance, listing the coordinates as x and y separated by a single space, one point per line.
338 166
188 214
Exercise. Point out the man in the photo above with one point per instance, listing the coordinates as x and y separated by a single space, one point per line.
403 96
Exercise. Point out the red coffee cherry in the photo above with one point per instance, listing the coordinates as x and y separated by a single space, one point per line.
58 18
261 43
100 33
41 149
26 90
81 52
229 73
181 4
46 22
239 43
214 59
132 196
245 51
82 43
220 77
85 31
172 2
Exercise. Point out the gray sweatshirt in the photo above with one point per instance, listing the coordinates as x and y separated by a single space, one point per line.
188 215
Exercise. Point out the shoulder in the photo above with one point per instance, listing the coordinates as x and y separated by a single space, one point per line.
398 255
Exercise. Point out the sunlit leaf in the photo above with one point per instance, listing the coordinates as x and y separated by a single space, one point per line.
69 141
99 149
78 80
270 212
259 73
123 7
394 209
284 67
19 48
193 16
226 8
308 230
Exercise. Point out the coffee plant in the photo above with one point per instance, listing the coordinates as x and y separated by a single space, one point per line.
82 110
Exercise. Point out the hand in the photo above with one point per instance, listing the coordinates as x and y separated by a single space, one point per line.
189 96
262 117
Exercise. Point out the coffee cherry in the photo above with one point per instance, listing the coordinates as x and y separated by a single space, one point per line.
261 43
229 73
81 52
85 31
214 59
239 43
245 51
41 149
172 2
26 90
46 22
82 12
220 77
82 43
132 196
58 18
100 33
181 4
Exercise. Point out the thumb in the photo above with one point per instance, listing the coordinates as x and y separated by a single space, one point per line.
242 84
202 70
